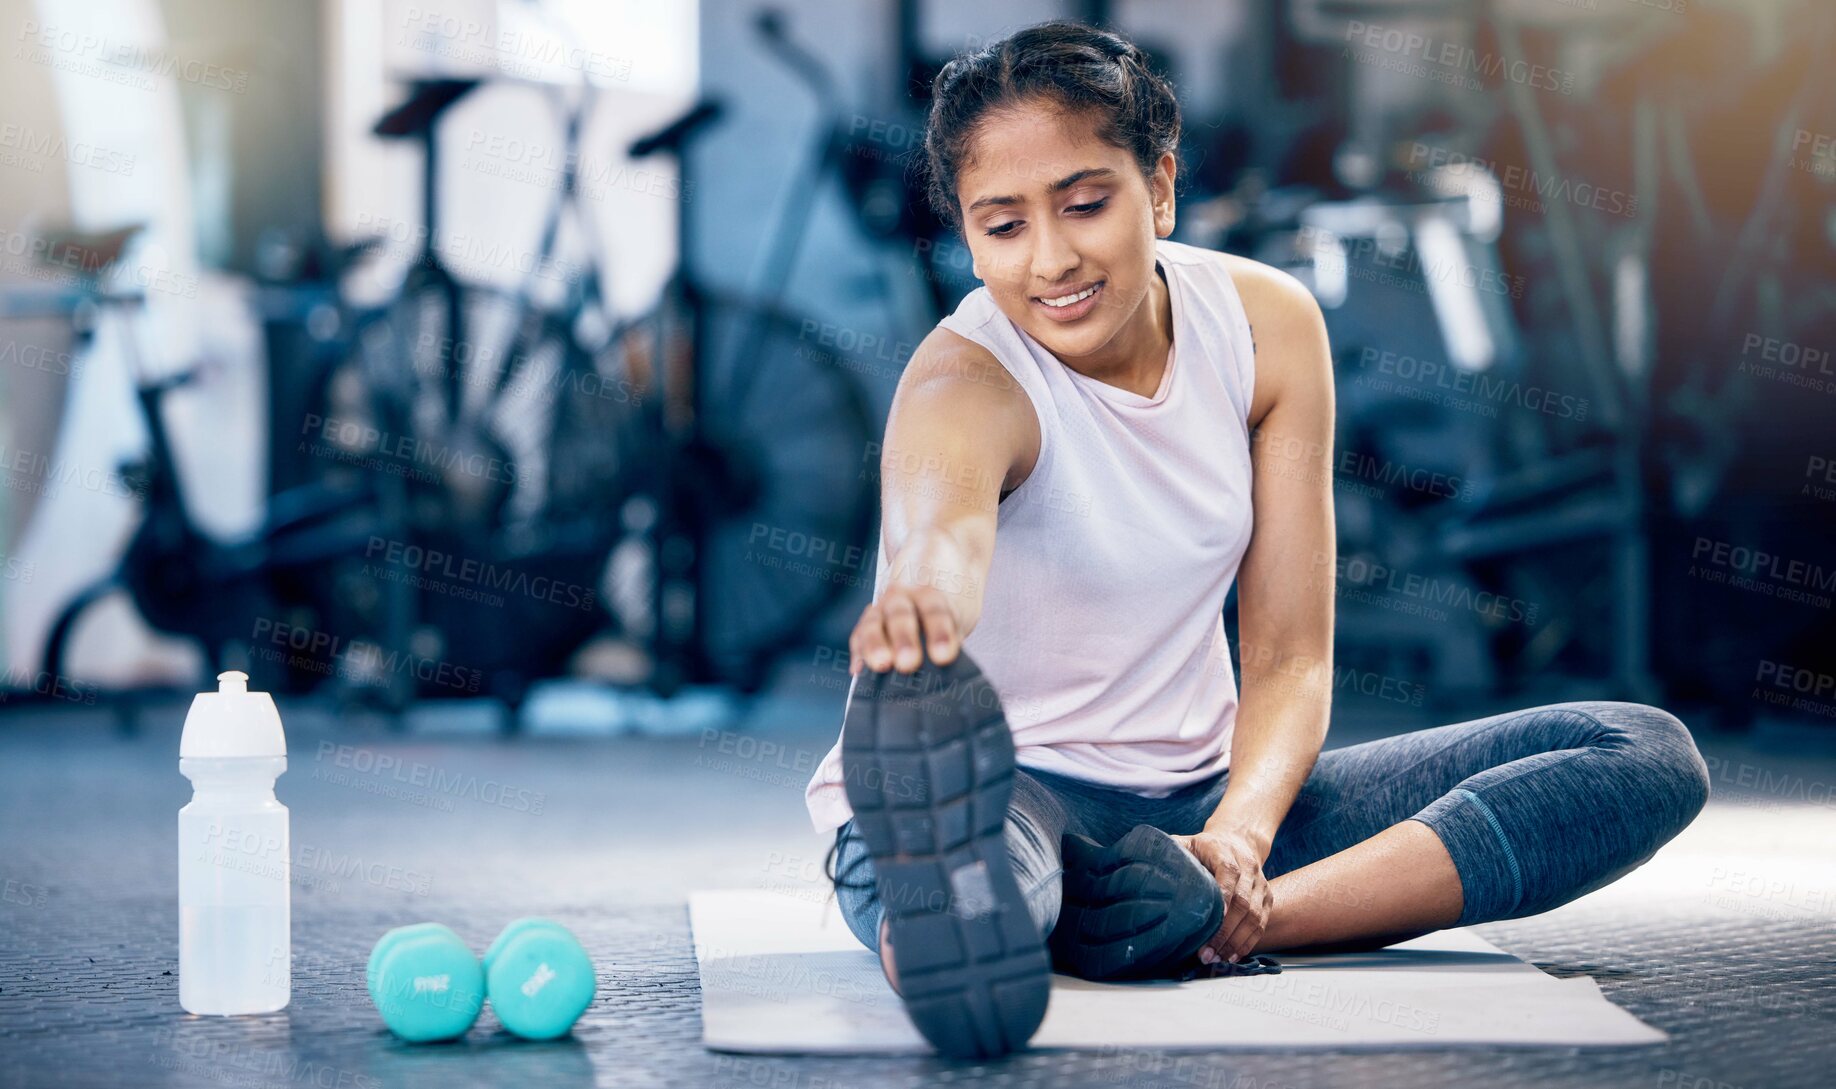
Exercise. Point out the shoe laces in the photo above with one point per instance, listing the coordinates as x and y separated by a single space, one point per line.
844 880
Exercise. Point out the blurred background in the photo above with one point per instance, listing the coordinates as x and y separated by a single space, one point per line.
501 384
524 363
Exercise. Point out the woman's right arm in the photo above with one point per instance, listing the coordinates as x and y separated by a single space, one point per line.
961 433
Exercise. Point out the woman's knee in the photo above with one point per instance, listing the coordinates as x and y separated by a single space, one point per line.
1669 765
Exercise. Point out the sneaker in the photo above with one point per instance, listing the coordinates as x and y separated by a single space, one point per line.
1137 909
928 764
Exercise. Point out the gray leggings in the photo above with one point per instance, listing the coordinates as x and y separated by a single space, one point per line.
1536 807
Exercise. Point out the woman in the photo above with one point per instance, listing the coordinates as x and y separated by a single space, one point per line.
1078 463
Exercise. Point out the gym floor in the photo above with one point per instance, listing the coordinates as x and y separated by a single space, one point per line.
1725 940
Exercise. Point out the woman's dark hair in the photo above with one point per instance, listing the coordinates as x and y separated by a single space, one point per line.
1076 66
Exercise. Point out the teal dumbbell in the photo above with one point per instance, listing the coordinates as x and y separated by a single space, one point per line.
539 978
426 982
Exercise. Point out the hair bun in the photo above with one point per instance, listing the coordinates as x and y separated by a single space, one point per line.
1119 48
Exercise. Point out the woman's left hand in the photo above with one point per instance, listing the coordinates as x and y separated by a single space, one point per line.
1233 859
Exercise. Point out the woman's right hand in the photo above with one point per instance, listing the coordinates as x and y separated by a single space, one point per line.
894 632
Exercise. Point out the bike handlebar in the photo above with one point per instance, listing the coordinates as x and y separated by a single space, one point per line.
671 137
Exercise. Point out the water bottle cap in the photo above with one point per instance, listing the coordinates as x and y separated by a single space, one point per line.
232 721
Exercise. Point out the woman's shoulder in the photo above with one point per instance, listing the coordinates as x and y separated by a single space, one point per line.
1274 315
945 354
1269 292
954 384
1266 291
976 344
1287 333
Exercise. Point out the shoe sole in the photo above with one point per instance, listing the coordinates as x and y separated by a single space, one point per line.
928 764
1136 909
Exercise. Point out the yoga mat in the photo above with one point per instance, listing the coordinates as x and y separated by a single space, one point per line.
780 973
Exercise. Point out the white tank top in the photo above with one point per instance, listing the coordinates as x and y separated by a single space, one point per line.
1102 626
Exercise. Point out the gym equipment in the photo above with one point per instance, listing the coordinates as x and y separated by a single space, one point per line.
661 444
758 999
426 982
539 978
182 579
1589 224
612 475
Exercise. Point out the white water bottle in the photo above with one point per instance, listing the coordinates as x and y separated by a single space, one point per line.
235 938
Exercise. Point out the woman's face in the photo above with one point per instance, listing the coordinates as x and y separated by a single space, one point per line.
1061 225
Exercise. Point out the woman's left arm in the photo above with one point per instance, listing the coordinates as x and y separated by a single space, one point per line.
1285 589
